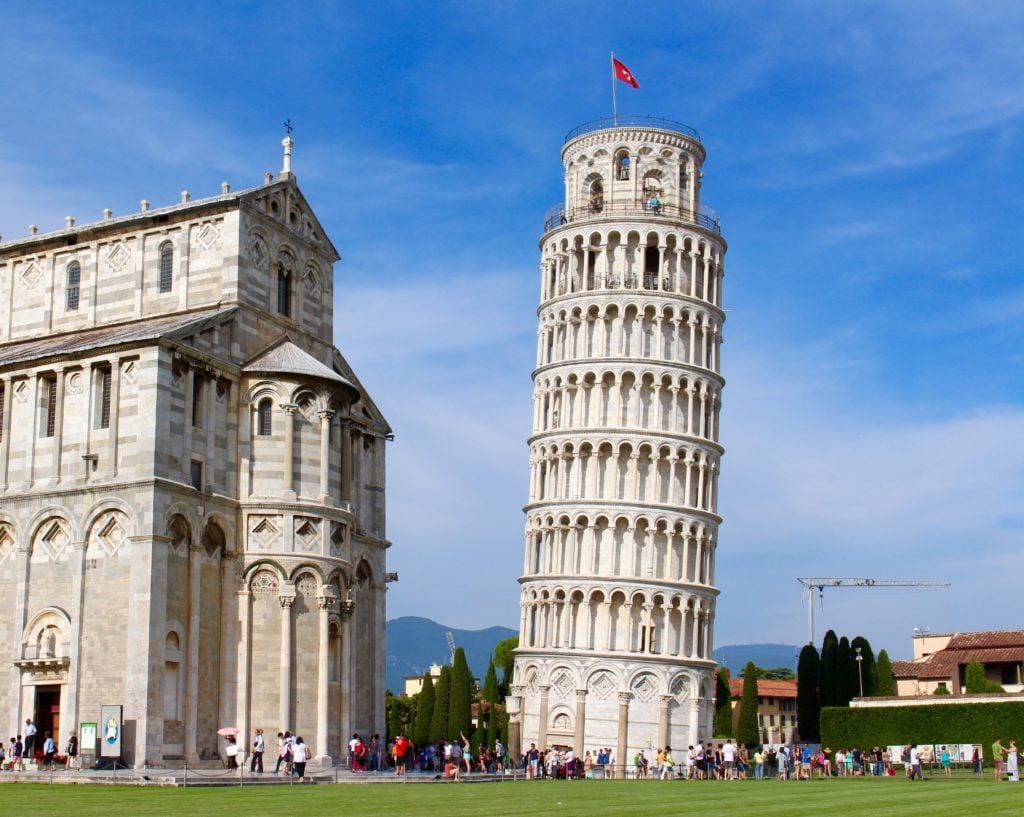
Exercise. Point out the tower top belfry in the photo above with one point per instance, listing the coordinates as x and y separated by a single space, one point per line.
617 592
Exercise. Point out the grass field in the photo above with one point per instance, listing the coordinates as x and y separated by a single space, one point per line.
936 797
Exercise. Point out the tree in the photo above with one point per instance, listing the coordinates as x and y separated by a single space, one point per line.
490 690
942 689
460 701
885 684
976 682
776 674
867 665
492 724
808 705
505 661
400 712
424 711
723 704
746 726
439 717
828 683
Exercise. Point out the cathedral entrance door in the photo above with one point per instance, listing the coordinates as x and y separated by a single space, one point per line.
48 713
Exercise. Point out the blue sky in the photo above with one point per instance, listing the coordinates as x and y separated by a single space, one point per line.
866 159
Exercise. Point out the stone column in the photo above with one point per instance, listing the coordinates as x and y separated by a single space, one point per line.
664 701
694 725
195 553
622 740
58 425
347 607
325 603
5 433
210 421
542 725
115 417
346 468
243 686
288 465
581 722
69 706
229 669
325 456
513 706
286 598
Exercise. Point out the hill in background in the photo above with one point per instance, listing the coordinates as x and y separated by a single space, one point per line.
415 643
766 656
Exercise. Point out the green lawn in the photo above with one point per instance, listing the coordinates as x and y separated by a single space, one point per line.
935 797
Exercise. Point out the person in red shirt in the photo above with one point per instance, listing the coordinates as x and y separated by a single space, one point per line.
401 749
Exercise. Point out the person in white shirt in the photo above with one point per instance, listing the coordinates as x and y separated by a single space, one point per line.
729 756
300 754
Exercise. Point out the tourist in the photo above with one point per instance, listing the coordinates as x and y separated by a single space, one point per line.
300 754
30 740
467 753
976 761
375 753
49 751
945 762
998 752
401 750
17 752
282 753
915 763
231 751
352 751
759 763
878 768
666 764
1011 762
259 746
499 757
72 753
3 757
533 761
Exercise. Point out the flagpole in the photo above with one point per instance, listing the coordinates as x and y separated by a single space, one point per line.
615 109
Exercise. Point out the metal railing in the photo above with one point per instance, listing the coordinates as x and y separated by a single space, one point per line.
559 215
606 122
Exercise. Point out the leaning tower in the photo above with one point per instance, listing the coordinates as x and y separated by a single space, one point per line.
618 595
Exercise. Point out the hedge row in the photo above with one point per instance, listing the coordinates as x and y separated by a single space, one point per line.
945 723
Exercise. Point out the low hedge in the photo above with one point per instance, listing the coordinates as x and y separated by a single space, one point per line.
940 723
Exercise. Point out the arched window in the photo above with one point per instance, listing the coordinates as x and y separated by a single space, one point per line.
596 197
263 420
74 286
622 165
166 267
284 290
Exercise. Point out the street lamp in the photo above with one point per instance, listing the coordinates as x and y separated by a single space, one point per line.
860 672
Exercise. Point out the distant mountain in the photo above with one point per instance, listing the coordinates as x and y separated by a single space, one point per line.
766 656
415 643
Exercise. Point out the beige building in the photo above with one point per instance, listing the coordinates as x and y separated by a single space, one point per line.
618 588
942 659
776 709
191 481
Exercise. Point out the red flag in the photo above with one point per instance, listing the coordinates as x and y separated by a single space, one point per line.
624 74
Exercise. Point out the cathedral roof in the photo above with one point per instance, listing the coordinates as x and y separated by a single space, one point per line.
123 334
287 358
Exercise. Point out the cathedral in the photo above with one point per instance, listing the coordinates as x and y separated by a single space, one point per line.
192 481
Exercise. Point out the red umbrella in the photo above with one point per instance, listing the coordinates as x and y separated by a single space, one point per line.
227 730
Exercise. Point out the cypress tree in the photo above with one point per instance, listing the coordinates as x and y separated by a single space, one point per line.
746 726
424 711
885 684
808 706
460 715
867 666
976 681
490 690
828 683
723 704
439 717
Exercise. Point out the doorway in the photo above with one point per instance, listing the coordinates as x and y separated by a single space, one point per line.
47 714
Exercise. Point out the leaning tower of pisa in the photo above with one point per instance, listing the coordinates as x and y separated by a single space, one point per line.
618 594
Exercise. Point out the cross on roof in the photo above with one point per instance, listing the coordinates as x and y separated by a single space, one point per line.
288 126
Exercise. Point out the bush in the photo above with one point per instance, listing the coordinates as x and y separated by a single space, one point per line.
944 723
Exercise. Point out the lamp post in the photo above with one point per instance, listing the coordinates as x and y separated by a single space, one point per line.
860 672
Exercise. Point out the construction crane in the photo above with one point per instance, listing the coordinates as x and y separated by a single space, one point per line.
451 645
820 584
